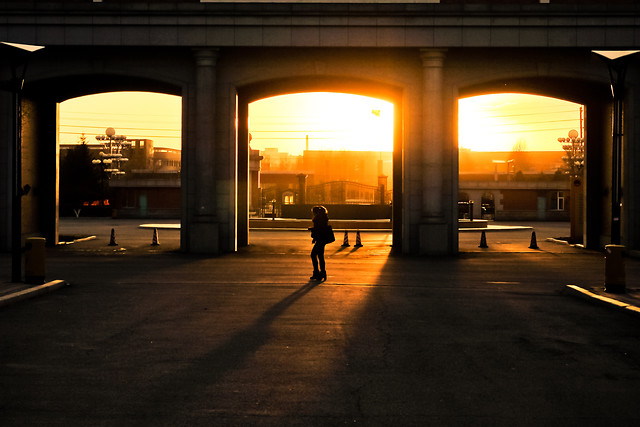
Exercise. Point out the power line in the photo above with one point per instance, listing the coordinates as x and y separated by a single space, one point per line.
128 136
538 113
530 130
499 125
125 128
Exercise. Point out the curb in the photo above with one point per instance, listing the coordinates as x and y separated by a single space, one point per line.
31 292
602 300
82 239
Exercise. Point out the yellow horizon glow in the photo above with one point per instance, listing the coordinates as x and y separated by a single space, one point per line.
497 122
333 121
148 115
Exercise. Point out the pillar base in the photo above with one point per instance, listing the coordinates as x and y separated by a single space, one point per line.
204 238
434 239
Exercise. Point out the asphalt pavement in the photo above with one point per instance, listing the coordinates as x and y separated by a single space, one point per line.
144 335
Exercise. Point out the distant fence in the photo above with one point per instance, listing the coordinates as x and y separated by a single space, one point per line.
339 211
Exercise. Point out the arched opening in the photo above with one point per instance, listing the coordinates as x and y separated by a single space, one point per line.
322 148
132 173
322 165
51 132
519 157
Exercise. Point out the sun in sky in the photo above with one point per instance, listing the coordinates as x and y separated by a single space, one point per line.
497 122
332 121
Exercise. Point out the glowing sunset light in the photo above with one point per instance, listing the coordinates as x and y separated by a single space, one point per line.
333 121
146 115
497 122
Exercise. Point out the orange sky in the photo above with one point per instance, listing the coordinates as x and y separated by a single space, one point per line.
332 121
133 114
497 122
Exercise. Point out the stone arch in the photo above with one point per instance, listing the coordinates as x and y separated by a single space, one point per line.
595 95
302 84
71 86
570 89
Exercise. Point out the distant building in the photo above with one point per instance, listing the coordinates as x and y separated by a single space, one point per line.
150 187
362 167
146 195
152 191
140 154
275 160
166 160
255 160
521 186
323 177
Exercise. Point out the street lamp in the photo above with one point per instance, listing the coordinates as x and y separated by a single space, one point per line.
112 156
18 58
617 62
573 146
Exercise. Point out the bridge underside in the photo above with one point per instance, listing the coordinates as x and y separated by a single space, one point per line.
217 81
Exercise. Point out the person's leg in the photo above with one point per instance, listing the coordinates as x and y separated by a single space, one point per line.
323 273
314 261
321 257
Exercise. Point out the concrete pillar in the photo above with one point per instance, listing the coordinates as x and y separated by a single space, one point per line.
432 132
241 183
204 220
205 131
434 235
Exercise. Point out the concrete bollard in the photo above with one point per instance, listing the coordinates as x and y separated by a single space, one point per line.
34 260
614 274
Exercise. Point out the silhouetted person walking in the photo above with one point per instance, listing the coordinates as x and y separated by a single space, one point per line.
321 233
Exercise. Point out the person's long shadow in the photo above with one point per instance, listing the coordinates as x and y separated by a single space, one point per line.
210 368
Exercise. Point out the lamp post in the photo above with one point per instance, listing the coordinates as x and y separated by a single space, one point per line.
18 58
573 147
112 156
617 62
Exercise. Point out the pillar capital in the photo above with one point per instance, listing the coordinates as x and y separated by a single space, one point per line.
432 57
206 57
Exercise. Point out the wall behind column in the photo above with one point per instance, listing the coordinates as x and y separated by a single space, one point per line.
6 141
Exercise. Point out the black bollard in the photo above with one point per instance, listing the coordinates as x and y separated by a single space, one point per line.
345 241
358 241
483 241
112 241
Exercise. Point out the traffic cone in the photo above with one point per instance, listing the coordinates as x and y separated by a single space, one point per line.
483 241
358 241
112 241
534 243
155 241
345 241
